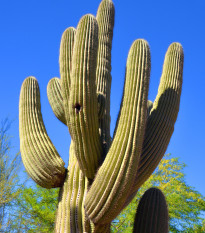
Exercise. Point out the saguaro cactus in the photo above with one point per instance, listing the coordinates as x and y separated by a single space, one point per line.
103 175
152 213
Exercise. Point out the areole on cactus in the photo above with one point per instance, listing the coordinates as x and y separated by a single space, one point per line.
103 175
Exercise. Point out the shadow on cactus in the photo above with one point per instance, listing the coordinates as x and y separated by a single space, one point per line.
103 175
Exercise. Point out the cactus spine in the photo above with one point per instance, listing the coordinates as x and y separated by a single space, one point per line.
102 176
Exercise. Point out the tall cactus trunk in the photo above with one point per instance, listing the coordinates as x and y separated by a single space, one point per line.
103 175
70 212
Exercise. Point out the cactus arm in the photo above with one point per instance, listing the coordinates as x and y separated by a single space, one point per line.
65 63
55 98
160 123
116 175
152 213
164 113
39 155
83 123
105 19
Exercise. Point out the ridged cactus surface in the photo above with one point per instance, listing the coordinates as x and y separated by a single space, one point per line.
116 175
82 108
39 155
103 175
162 115
71 198
55 98
152 213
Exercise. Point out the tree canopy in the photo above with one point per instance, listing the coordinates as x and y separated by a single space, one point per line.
9 167
35 211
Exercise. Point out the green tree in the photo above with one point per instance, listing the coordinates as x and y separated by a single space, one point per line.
35 210
9 167
186 205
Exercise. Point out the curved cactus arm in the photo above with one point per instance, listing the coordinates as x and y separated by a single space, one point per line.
116 175
69 216
105 19
152 213
83 123
160 123
55 98
39 155
65 63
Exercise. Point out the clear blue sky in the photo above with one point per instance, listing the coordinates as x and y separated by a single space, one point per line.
29 45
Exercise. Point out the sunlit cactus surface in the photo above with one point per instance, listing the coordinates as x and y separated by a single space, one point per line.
104 173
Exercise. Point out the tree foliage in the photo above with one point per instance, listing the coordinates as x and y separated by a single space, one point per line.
9 166
35 210
186 205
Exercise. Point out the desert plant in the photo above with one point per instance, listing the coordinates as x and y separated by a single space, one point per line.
103 175
152 213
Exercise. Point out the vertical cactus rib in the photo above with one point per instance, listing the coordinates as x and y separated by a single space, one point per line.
105 19
69 214
65 63
160 123
101 106
83 125
116 175
39 155
55 98
152 213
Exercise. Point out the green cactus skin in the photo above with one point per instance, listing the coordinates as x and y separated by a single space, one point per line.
152 213
39 156
55 98
102 176
101 107
105 18
116 175
162 117
83 110
69 214
65 60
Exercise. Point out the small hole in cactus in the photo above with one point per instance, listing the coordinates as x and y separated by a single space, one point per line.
77 107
